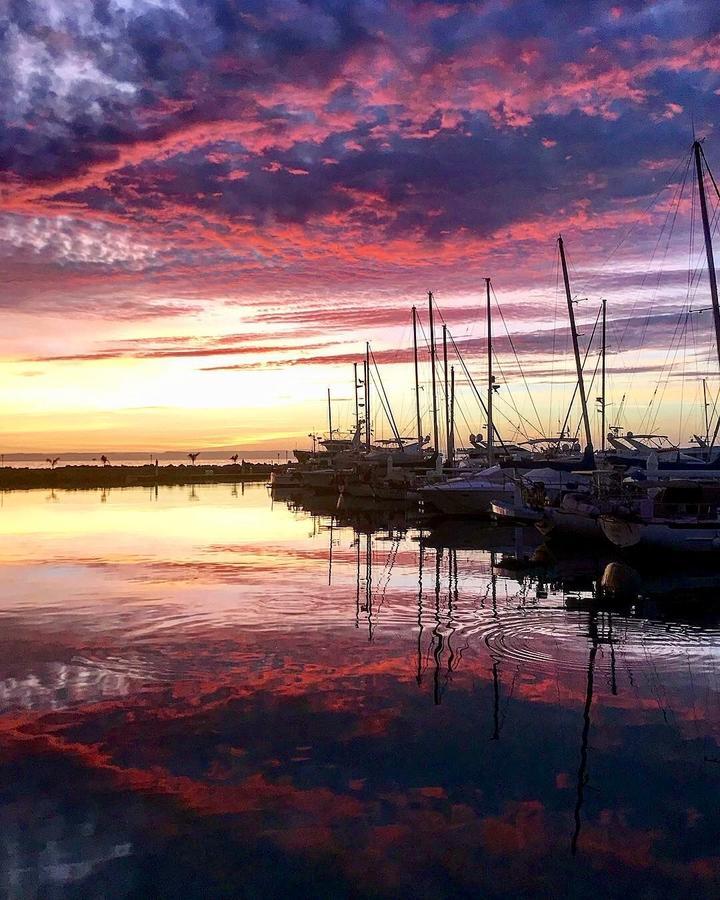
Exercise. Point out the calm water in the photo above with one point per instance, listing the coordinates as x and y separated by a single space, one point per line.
203 693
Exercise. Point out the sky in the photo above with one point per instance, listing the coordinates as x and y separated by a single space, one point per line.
208 207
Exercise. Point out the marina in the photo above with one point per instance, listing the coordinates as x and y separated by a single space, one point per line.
452 661
636 490
359 450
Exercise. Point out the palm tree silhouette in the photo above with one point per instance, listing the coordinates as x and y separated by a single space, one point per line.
53 462
104 460
234 458
192 457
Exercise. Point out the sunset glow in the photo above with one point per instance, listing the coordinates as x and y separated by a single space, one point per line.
210 206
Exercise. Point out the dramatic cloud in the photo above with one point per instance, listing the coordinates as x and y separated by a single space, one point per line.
317 166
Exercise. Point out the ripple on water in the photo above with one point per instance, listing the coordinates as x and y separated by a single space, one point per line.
536 638
559 640
57 685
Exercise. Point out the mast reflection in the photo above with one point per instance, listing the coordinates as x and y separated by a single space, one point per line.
598 638
497 594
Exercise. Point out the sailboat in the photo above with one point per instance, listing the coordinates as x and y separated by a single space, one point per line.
536 489
679 514
655 452
472 492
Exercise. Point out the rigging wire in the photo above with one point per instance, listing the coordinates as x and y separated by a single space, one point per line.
517 360
695 270
670 219
554 334
386 405
472 383
380 391
590 387
575 391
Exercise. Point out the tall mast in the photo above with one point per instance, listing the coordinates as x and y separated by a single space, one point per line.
417 378
602 383
708 243
330 428
576 348
451 439
705 407
491 379
447 391
432 368
367 396
357 410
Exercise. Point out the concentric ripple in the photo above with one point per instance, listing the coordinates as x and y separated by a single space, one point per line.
560 640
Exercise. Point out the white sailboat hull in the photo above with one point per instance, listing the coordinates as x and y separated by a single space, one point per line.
510 510
560 521
687 538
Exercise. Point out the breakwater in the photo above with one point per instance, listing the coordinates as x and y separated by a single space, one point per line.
79 477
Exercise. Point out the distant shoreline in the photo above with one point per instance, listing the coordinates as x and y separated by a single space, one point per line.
77 477
165 457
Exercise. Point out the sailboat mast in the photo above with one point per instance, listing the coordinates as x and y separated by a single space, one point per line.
432 368
330 428
367 396
451 433
576 348
705 408
490 380
447 391
602 384
357 410
697 149
417 378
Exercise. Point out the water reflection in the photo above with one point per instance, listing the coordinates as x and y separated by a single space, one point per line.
221 694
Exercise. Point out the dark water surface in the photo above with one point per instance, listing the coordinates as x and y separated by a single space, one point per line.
204 694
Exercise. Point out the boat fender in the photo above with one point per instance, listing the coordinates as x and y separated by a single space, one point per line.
620 582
